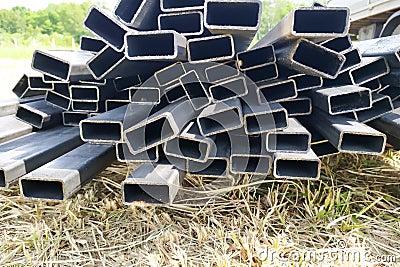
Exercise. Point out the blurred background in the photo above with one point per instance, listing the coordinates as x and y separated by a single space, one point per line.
57 24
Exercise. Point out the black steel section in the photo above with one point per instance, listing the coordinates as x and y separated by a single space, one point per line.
264 73
106 26
256 57
185 23
91 44
276 91
64 65
195 90
39 114
58 100
141 14
220 72
229 89
368 70
61 178
29 152
124 155
213 48
179 6
71 118
300 106
339 44
381 105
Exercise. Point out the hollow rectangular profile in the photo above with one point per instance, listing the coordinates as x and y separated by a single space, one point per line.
39 114
209 49
61 178
264 118
229 89
297 166
185 23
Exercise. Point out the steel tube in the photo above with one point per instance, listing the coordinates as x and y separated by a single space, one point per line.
29 152
294 139
229 89
91 44
301 106
297 166
381 105
276 91
146 45
71 118
186 23
39 114
58 100
61 178
13 128
342 99
64 65
213 48
195 90
369 69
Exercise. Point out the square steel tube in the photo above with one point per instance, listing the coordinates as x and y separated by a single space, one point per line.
139 14
254 58
155 45
300 106
294 139
152 184
58 100
159 127
342 99
64 65
61 178
264 118
348 135
39 114
71 118
230 89
212 48
381 105
297 166
91 44
185 23
220 117
276 91
368 70
170 74
124 154
27 153
190 144
107 27
221 72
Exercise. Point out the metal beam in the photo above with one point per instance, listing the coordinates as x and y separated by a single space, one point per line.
23 155
39 114
186 23
195 90
13 128
152 184
107 27
381 105
276 91
220 117
221 72
212 48
369 69
146 45
230 89
61 178
342 99
348 135
297 166
58 100
294 139
63 65
301 106
91 44
8 107
141 15
254 58
264 118
71 118
124 155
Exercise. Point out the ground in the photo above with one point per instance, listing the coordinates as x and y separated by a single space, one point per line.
354 208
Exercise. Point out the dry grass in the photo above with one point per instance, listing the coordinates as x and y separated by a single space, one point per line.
356 201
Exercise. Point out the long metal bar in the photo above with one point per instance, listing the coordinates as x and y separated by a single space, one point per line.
254 58
58 100
301 106
342 99
22 90
381 105
390 125
124 155
220 117
141 14
170 74
104 128
13 128
297 166
324 149
180 6
23 155
309 58
160 127
262 74
186 23
39 114
387 47
190 144
91 44
61 178
72 118
221 72
322 23
107 27
64 65
275 91
348 135
8 107
152 184
368 70
250 157
391 91
230 89
264 118
294 139
146 45
213 48
353 59
195 90
241 18
338 44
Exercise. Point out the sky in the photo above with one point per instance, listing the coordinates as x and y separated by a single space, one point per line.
42 4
